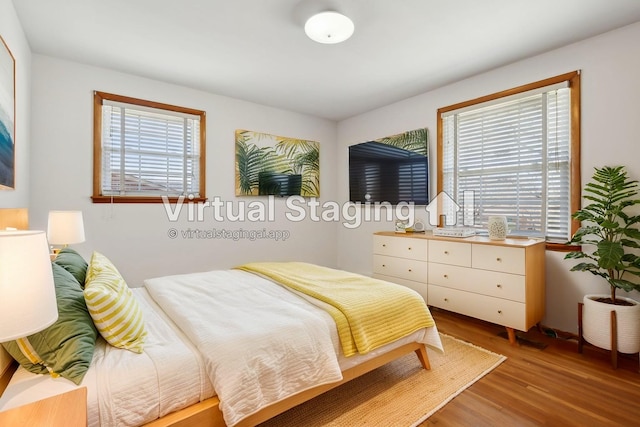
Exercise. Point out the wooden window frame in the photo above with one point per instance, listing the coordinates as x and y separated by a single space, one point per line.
573 80
98 197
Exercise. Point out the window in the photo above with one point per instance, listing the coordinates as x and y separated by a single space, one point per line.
144 150
514 153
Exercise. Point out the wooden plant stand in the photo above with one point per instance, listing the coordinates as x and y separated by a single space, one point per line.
614 337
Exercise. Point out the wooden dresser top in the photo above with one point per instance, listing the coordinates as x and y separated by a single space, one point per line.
517 242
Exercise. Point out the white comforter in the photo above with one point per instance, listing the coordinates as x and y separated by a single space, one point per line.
260 342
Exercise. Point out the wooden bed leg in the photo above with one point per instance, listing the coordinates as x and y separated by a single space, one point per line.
424 358
512 336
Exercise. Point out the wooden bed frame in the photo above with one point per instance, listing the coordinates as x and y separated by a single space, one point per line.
207 413
14 218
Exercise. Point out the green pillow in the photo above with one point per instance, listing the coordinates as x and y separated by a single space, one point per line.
73 262
66 347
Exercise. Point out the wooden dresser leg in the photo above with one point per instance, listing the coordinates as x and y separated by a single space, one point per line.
512 336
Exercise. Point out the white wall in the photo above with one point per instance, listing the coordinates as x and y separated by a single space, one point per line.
13 35
135 236
610 65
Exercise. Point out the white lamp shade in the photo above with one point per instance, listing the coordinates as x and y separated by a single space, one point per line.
27 293
65 227
329 27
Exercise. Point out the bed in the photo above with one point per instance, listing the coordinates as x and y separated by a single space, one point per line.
178 378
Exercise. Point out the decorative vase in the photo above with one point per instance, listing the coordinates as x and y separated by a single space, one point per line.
497 227
596 323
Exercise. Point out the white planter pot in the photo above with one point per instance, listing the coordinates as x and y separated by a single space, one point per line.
596 324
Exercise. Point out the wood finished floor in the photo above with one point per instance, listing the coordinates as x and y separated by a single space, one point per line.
554 386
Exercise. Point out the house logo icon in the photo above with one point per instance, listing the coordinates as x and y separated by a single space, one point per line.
445 206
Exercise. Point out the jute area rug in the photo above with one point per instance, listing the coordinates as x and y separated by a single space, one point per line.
398 394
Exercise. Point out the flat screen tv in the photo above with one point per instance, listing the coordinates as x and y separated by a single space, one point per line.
381 172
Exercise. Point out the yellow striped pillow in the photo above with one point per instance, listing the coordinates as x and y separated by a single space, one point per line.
114 309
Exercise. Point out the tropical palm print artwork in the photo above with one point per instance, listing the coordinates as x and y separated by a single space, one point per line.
269 164
413 140
7 108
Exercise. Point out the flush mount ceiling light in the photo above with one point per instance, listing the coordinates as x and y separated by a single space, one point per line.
329 27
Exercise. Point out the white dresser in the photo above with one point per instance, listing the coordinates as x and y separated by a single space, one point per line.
498 281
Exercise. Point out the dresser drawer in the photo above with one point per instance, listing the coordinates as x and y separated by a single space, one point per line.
401 247
451 276
492 283
495 310
453 253
403 268
498 258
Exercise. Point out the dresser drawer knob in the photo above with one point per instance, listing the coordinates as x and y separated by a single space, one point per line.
409 270
446 252
499 286
384 245
499 259
384 265
446 276
446 300
499 311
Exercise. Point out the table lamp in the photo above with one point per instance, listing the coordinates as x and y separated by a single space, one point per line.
65 228
27 292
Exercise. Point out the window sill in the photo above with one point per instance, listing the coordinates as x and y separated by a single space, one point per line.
143 199
562 247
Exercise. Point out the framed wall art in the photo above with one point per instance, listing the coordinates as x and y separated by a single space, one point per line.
276 165
7 116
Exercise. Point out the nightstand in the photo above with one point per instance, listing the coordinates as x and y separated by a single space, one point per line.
63 410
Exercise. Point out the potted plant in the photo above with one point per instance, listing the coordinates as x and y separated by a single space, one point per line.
612 236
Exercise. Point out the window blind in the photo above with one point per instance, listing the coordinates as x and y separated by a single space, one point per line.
149 152
515 158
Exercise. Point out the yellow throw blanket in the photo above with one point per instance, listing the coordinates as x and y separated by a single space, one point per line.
369 313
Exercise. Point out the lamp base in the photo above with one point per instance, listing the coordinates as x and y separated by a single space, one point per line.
53 252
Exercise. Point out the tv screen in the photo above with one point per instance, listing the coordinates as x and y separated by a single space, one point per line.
279 184
384 173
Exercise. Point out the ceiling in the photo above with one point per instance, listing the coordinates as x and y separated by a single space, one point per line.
256 50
